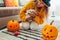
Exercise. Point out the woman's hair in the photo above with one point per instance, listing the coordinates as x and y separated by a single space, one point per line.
38 8
46 12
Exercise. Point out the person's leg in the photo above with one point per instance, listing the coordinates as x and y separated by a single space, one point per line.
34 26
24 25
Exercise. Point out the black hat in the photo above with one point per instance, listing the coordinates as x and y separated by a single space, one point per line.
47 2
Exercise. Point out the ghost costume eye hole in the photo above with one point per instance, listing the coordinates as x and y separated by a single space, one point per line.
51 30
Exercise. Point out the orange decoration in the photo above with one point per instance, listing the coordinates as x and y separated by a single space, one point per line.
11 3
13 25
49 32
8 3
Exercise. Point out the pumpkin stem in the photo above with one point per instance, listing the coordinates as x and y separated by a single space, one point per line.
52 22
12 20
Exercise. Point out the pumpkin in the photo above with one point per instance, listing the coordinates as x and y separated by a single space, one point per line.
11 3
49 32
8 3
13 25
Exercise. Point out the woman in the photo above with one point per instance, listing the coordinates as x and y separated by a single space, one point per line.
38 17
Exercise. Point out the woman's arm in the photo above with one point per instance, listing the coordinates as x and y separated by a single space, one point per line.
29 5
41 16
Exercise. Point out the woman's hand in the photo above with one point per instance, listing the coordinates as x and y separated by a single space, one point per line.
33 14
30 14
29 19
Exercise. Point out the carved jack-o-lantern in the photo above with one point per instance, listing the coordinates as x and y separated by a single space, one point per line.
13 25
49 32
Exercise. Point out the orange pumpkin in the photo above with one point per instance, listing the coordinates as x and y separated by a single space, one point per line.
13 25
49 32
8 3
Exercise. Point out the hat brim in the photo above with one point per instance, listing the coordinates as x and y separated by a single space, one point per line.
45 4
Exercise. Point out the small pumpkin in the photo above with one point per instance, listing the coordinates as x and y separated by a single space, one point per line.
13 25
8 3
49 32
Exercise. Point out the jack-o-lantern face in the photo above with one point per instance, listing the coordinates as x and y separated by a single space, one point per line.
49 32
13 25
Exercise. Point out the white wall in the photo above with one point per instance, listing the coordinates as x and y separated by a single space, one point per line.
55 6
23 2
1 1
